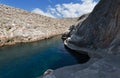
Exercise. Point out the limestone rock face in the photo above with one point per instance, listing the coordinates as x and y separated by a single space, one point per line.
99 36
18 25
101 30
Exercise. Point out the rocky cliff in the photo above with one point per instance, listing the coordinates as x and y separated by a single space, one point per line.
18 25
99 36
101 30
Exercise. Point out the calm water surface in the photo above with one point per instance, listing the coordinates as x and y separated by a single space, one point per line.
30 60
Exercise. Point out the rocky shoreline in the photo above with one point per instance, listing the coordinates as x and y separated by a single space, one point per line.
18 26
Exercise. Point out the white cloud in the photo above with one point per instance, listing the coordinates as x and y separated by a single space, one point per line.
39 11
68 9
73 9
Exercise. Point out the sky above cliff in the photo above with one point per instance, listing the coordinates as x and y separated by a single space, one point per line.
54 8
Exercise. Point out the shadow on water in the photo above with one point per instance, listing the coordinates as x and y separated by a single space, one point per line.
82 57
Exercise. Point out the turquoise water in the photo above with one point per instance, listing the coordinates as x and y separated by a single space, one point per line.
30 60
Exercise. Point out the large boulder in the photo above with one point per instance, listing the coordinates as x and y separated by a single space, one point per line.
100 31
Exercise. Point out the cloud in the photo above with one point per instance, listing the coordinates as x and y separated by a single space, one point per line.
68 10
39 11
72 9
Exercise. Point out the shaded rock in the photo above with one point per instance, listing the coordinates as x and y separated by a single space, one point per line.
68 34
69 71
101 30
81 56
108 67
74 27
99 36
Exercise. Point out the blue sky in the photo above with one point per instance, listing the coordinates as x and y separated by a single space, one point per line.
54 8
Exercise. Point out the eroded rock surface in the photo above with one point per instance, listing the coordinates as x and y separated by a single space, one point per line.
99 36
101 30
73 27
108 67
